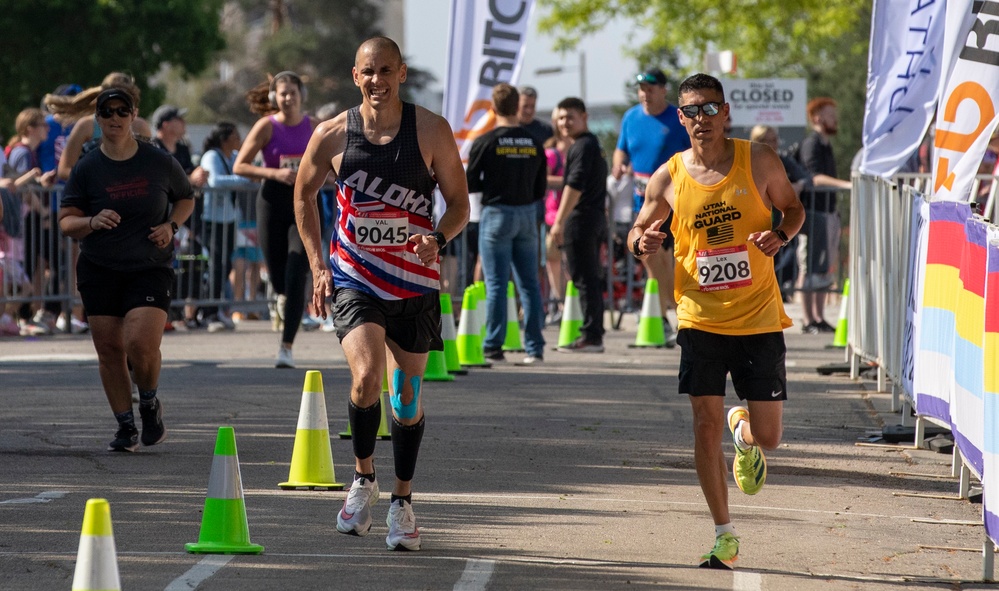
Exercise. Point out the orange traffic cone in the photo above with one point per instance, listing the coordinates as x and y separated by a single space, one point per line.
312 457
223 523
96 559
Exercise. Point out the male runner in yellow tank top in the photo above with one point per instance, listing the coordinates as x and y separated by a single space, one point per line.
729 307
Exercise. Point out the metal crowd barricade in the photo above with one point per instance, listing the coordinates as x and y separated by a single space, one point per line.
884 263
37 263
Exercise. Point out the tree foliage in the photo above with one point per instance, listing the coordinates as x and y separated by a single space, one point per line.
317 40
824 42
45 44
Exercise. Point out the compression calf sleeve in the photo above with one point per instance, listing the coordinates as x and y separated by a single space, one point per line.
364 424
406 441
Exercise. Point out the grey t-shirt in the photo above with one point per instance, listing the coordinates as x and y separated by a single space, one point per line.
140 190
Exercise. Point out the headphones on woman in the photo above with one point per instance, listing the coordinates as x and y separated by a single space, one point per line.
272 94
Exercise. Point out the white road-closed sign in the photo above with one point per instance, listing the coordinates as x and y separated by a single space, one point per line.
778 102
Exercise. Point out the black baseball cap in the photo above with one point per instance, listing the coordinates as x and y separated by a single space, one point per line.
651 76
166 113
114 93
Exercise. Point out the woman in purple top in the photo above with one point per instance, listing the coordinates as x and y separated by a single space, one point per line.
280 136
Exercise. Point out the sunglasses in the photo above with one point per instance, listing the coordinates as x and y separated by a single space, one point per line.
107 113
709 109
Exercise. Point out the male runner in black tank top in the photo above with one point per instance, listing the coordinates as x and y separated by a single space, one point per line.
385 320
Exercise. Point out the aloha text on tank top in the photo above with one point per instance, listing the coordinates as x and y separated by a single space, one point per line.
384 196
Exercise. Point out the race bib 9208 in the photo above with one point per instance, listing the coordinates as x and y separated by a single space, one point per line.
724 268
381 231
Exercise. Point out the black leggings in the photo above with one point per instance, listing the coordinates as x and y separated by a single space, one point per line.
287 265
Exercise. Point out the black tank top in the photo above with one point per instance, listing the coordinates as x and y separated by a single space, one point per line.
381 171
385 195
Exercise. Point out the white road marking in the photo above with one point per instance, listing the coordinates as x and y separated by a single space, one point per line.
42 497
476 576
742 581
208 566
49 358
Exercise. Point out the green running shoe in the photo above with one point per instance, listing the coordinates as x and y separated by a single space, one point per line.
750 466
724 554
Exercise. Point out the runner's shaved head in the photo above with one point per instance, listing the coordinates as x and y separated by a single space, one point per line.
378 45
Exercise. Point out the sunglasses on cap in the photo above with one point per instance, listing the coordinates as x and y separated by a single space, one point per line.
647 79
710 109
107 112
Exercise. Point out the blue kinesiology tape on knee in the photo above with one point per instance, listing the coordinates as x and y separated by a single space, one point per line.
404 411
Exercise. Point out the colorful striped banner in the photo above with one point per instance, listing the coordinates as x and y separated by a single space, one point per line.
933 381
990 361
968 411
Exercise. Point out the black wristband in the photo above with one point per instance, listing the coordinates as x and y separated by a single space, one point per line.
635 249
174 227
783 237
441 240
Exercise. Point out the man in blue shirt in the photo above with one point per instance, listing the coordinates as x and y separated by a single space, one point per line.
650 134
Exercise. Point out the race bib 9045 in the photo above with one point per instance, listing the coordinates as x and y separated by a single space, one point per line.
380 231
724 268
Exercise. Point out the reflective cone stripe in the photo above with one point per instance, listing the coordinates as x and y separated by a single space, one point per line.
839 337
572 317
650 323
449 336
312 456
96 559
512 340
469 341
223 524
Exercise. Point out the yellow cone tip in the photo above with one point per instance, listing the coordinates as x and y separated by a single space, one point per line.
313 381
97 518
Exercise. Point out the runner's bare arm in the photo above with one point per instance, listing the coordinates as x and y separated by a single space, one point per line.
255 141
439 150
655 209
776 191
82 131
326 142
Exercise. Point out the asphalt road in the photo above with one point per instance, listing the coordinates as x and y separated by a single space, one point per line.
574 475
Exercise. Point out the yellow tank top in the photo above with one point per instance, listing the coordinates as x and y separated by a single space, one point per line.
724 284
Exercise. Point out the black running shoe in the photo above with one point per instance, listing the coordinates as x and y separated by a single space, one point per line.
126 439
153 431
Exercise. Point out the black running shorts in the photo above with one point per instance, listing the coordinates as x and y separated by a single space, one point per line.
107 292
756 363
412 323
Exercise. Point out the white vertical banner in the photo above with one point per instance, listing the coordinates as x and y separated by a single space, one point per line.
966 111
486 41
905 71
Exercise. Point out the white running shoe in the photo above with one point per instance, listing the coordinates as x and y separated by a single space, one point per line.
403 533
355 516
285 358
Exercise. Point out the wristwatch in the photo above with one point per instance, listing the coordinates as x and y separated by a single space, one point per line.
783 237
636 249
174 227
441 240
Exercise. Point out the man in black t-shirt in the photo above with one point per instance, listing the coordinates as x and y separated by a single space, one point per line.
581 222
509 167
822 223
